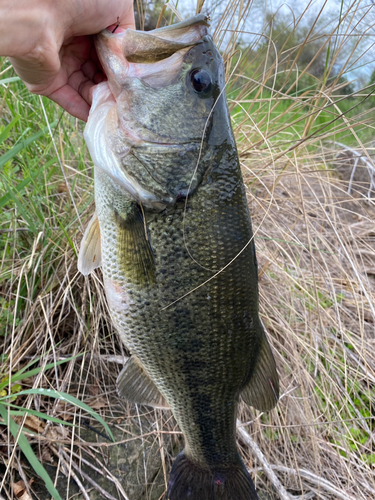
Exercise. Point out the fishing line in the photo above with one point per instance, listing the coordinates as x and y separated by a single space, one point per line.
270 152
244 247
195 171
201 146
301 141
117 25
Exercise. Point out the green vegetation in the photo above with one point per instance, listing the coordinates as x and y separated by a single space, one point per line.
9 411
35 232
292 83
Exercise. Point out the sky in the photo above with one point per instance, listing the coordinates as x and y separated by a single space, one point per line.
361 30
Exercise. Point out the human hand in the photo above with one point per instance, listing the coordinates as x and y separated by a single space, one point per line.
50 45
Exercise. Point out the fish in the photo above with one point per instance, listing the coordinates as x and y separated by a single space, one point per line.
173 235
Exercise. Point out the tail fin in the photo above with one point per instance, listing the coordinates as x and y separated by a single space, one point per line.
188 481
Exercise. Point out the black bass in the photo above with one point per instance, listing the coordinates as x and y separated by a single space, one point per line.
173 234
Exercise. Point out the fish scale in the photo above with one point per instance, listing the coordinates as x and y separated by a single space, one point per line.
176 329
177 251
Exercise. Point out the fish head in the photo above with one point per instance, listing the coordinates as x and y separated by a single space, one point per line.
163 88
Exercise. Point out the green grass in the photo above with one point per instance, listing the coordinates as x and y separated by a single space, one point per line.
37 210
37 227
284 119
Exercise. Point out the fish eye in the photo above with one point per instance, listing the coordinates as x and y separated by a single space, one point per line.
201 81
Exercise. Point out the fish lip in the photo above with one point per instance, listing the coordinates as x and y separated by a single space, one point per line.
202 19
108 33
198 18
117 51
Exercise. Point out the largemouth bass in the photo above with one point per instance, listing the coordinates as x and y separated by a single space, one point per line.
173 234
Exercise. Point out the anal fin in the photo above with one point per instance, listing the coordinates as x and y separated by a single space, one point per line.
135 385
90 252
262 390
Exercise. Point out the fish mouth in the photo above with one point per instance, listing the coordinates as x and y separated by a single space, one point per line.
155 45
135 140
129 53
114 131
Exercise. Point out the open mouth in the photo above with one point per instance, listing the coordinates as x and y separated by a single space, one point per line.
128 53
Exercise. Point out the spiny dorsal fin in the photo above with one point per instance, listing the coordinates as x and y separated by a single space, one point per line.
262 390
135 385
134 248
90 252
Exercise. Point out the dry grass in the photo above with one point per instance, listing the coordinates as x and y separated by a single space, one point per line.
307 166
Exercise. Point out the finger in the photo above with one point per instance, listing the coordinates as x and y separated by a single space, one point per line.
89 69
77 79
81 84
127 20
91 21
99 78
71 101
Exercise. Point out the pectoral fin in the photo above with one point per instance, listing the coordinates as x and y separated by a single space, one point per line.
262 390
90 253
134 248
135 385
